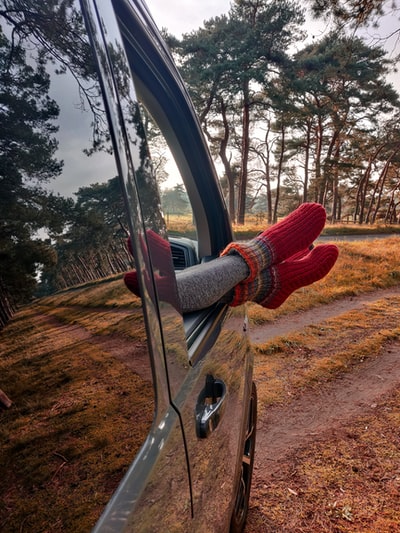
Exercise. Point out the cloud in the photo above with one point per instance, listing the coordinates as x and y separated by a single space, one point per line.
74 135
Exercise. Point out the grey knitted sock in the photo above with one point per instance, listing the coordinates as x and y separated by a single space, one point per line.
202 285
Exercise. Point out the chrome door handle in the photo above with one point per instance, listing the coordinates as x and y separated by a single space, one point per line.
210 406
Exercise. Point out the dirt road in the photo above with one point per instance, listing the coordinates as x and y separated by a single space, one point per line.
284 432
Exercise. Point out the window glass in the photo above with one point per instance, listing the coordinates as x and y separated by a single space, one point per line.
174 198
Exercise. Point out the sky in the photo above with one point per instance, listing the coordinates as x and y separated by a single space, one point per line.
178 16
183 16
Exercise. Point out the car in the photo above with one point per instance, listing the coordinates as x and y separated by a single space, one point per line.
122 119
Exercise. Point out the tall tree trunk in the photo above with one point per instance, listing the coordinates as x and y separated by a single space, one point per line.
230 175
328 169
307 162
279 172
358 214
335 185
266 158
363 199
245 155
222 152
384 174
363 188
378 186
318 155
269 193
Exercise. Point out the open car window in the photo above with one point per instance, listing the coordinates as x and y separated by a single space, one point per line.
162 92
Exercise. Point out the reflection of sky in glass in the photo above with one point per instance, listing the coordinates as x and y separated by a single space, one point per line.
75 135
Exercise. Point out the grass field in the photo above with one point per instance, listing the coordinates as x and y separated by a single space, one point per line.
183 225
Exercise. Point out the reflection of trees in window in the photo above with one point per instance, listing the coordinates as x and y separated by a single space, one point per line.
36 39
159 151
94 244
54 33
39 40
27 161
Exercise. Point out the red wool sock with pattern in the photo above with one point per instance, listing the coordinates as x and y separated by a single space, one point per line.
281 241
276 283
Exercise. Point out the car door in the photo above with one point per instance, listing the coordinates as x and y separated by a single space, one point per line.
97 351
207 357
155 493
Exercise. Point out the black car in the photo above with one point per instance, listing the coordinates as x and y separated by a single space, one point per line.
125 121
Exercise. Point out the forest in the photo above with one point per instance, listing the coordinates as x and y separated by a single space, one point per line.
293 122
289 118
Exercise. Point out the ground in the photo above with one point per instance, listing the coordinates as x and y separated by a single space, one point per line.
320 457
327 457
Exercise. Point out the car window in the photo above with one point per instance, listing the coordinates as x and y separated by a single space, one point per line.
164 95
175 201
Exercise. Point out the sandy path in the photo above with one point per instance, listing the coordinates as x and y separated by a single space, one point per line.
314 415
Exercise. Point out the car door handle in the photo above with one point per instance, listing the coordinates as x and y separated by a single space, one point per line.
210 406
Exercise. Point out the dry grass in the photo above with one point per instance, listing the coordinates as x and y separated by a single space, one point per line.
346 482
362 266
345 477
181 225
71 432
318 353
290 364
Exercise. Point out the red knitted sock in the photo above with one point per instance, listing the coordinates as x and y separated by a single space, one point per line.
301 254
281 241
131 281
289 276
273 286
160 249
